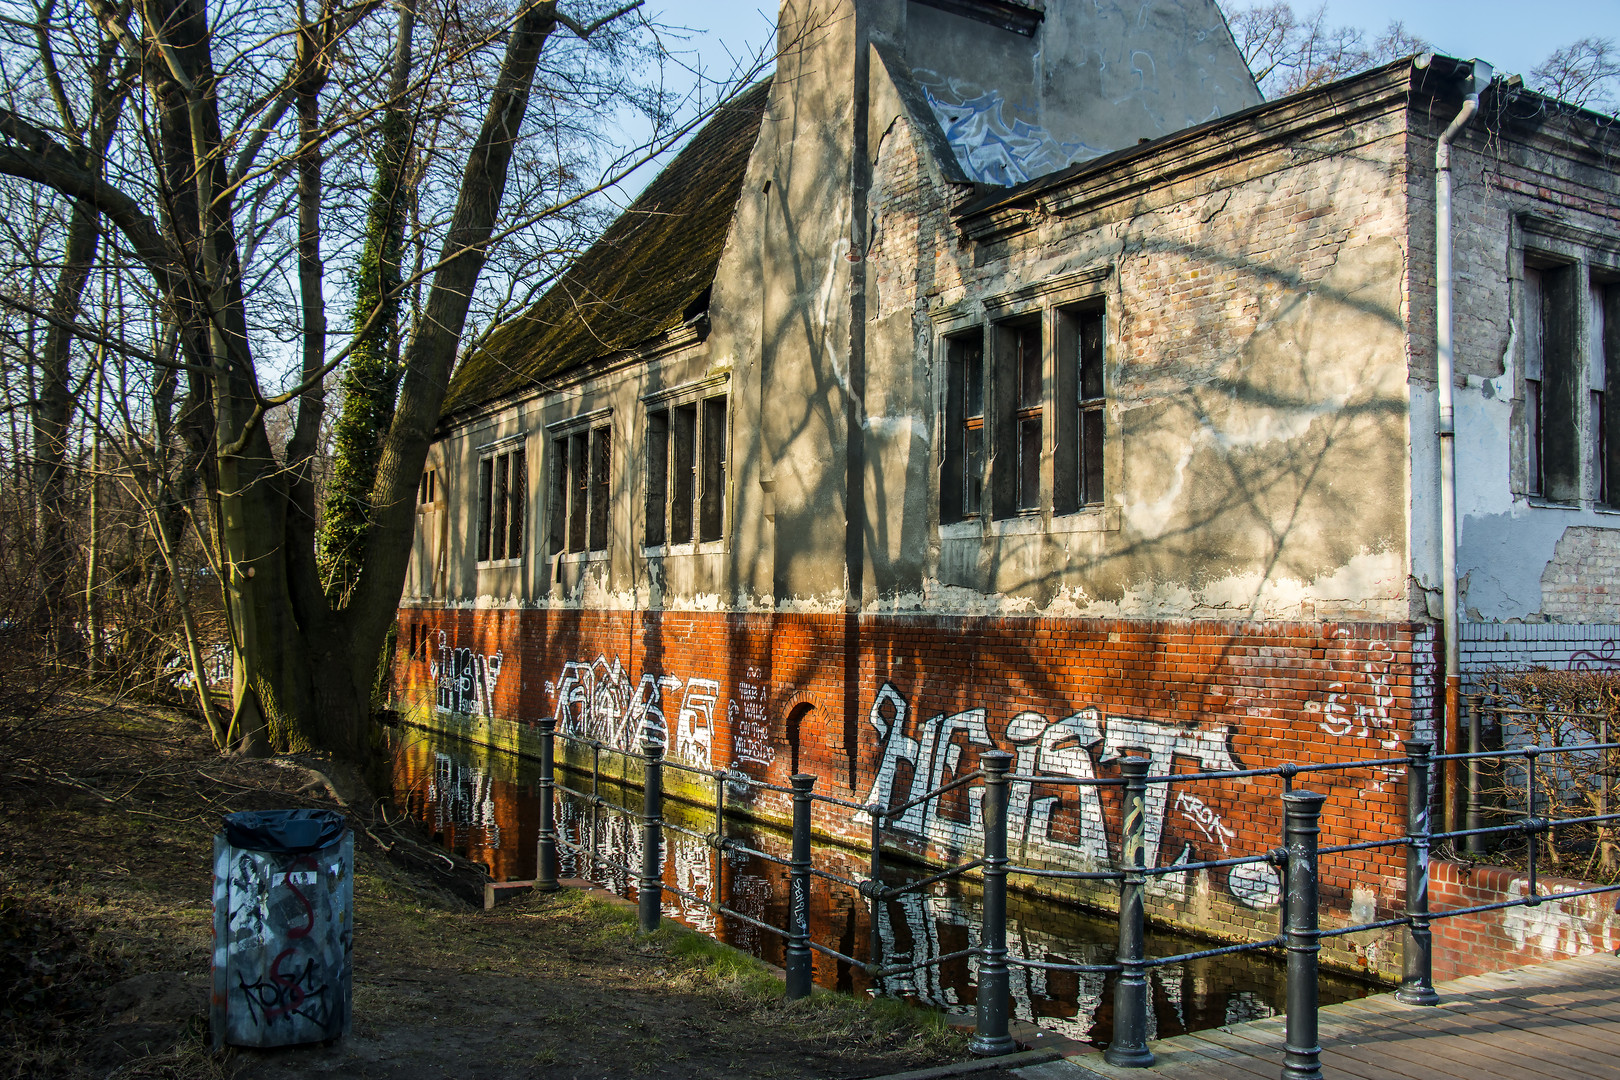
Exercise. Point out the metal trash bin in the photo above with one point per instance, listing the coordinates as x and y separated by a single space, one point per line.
283 928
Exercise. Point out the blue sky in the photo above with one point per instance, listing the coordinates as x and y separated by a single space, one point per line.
1514 36
1498 31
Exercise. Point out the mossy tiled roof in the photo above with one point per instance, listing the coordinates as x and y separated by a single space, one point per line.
639 279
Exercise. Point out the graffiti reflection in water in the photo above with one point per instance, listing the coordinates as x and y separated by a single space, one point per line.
484 805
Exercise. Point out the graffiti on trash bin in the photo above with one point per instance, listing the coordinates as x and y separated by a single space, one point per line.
282 946
292 992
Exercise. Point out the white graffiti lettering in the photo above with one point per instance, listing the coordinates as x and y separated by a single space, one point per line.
465 681
921 757
694 727
596 701
750 724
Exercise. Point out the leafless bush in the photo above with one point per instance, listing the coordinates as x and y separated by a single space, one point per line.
1558 710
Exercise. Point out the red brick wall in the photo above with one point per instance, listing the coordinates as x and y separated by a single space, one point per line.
1070 695
1514 937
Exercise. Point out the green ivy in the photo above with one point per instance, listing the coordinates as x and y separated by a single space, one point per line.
370 379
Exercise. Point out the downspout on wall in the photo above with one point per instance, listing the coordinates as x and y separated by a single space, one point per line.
1447 430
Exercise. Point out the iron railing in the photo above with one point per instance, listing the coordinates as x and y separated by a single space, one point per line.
1299 857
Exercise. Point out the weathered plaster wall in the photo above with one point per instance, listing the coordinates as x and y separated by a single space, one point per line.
1256 372
621 574
1519 557
1094 77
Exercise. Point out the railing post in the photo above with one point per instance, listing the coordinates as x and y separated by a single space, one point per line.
1302 1057
545 868
1128 1048
798 943
1474 818
1417 952
991 1035
596 804
874 944
650 889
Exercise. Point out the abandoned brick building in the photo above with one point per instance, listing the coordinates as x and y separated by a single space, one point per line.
1010 374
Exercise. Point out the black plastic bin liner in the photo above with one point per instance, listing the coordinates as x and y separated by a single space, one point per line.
284 832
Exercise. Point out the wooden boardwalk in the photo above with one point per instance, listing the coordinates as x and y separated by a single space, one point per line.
1549 1022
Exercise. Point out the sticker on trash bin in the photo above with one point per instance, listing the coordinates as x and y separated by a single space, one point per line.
302 877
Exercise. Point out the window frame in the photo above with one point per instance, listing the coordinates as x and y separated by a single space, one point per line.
1575 272
1057 308
703 484
579 487
490 518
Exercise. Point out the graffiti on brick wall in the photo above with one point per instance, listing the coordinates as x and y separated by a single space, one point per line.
1579 926
596 700
751 723
1367 712
923 755
464 680
1600 659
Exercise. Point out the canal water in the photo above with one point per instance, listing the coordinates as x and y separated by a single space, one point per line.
484 805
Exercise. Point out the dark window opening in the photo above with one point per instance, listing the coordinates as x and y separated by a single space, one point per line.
1016 393
1031 403
961 488
1552 320
427 492
502 495
686 473
581 490
1026 394
657 477
795 725
601 465
683 472
712 512
1605 347
1087 450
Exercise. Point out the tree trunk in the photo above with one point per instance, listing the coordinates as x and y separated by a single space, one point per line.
52 419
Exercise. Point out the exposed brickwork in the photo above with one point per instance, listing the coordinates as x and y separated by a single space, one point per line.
1220 695
1488 647
1494 940
1582 581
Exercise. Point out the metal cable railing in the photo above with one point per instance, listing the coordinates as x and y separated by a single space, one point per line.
1300 934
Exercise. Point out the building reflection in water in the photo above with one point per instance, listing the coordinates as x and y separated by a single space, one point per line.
484 805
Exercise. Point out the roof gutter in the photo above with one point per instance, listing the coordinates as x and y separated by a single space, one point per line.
1445 377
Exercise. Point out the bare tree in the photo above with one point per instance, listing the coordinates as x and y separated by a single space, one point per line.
1585 73
261 151
1289 52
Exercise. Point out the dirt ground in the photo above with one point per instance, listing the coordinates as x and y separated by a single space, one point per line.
106 819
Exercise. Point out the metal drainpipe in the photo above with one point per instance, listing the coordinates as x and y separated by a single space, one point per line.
1444 376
